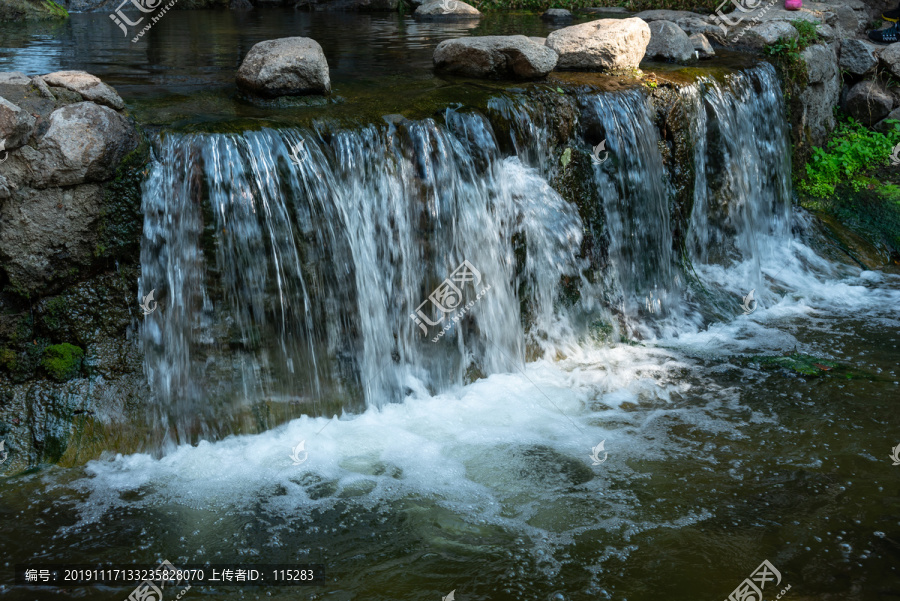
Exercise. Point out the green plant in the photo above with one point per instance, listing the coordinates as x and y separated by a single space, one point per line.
852 151
56 10
62 361
786 53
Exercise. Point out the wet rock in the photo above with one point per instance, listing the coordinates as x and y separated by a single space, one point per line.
767 33
495 57
16 126
241 5
45 234
285 67
84 143
89 86
890 58
604 45
868 102
557 15
668 42
448 10
858 57
702 46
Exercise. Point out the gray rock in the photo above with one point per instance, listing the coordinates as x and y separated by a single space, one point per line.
826 32
16 125
605 44
667 15
84 143
557 15
541 41
890 58
89 86
821 93
14 78
858 57
767 33
702 46
241 5
846 22
448 10
45 233
593 10
693 26
285 67
883 126
668 42
868 102
42 88
495 57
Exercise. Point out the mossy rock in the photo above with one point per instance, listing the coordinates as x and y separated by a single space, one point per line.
20 10
8 359
62 361
805 365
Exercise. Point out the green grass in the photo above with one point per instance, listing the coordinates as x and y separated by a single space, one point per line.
850 154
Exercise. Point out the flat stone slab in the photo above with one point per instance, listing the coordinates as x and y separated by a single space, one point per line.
89 86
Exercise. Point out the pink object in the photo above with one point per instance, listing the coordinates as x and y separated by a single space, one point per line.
793 4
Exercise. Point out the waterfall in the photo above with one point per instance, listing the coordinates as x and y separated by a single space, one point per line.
310 268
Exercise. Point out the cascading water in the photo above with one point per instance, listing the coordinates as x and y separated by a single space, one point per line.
310 255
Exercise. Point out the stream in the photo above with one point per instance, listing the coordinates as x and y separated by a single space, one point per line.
292 248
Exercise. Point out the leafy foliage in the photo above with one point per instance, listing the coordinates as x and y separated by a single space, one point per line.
786 55
852 151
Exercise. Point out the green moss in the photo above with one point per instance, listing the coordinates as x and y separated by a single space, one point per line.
20 10
120 218
806 365
62 361
8 359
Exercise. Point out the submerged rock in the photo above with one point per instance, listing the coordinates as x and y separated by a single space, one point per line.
668 42
285 67
556 14
446 10
89 86
496 57
868 102
604 45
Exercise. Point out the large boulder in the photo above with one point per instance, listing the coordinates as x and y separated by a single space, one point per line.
605 44
495 57
84 143
868 102
89 86
668 42
890 58
285 67
447 10
16 125
858 57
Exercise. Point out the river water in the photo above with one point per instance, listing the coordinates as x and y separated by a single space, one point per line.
468 463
